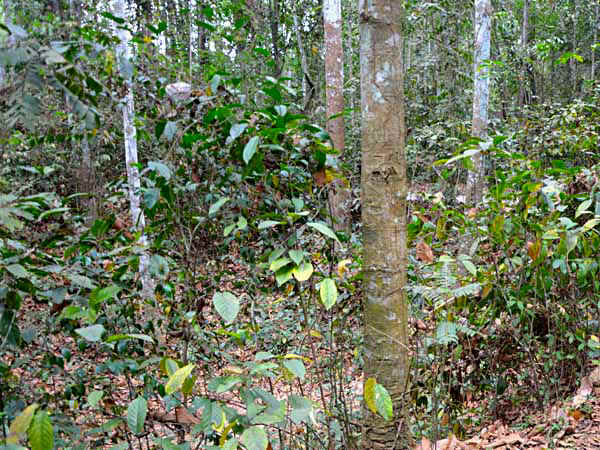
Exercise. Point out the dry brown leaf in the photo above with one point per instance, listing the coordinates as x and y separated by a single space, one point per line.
533 249
424 253
511 439
583 392
595 375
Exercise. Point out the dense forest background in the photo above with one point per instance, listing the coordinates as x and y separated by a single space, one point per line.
185 256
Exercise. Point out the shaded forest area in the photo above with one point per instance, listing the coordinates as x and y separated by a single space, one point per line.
320 224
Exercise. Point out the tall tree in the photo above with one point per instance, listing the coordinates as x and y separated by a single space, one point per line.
481 94
384 190
524 38
123 52
334 87
595 43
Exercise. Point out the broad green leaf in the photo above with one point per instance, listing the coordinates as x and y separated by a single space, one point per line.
136 415
94 397
369 394
255 438
263 356
590 224
236 130
231 444
302 409
250 148
268 224
228 229
328 291
178 378
583 208
303 271
279 263
100 295
170 130
297 256
17 271
161 168
470 267
284 274
151 197
51 212
223 384
383 402
19 426
324 229
295 366
92 333
227 305
214 208
41 433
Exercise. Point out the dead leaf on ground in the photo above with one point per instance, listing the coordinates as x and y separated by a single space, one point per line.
511 439
425 444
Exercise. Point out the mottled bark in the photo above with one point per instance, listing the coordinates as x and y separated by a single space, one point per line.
123 52
274 25
339 194
596 25
306 94
481 95
384 189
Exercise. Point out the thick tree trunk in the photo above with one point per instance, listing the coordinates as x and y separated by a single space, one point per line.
131 155
384 189
339 194
481 95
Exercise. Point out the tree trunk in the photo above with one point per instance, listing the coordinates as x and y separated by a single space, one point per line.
306 90
481 94
384 189
339 195
524 37
274 25
596 25
131 156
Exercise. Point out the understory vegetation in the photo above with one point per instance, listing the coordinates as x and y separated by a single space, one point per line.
251 336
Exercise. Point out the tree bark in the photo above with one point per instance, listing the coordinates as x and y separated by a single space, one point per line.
596 25
339 194
123 52
524 38
384 189
481 94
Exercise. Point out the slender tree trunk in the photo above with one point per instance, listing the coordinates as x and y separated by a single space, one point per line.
384 190
596 25
572 62
274 23
131 155
524 37
306 94
339 195
481 95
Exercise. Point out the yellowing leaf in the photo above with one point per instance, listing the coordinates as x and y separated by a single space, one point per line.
177 379
303 271
370 394
19 426
342 266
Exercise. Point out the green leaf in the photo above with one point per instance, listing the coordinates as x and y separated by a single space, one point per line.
268 224
161 168
328 291
92 333
250 148
583 208
17 271
19 426
214 208
590 224
223 384
94 397
279 263
82 281
178 378
383 402
136 415
121 337
324 229
41 434
231 444
236 130
284 274
100 295
369 394
255 438
470 267
151 197
295 366
170 130
297 256
304 271
302 409
227 305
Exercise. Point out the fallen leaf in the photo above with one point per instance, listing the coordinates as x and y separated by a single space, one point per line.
424 253
424 445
